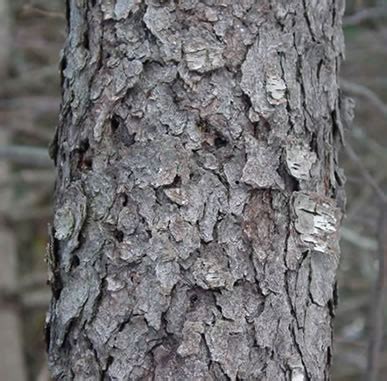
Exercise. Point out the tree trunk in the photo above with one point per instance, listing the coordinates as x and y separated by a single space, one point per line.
196 221
11 346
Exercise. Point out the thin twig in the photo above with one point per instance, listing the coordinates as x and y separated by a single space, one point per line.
32 214
358 204
27 299
36 299
30 79
365 92
35 104
365 15
361 135
31 198
30 177
32 280
31 156
348 306
29 9
29 129
366 175
358 240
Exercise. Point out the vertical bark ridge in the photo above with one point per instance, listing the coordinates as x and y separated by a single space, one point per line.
195 234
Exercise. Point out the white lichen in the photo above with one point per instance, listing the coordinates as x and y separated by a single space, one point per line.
201 52
297 375
123 8
276 90
317 221
64 223
177 195
299 160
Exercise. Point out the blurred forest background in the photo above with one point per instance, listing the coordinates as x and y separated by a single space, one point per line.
31 36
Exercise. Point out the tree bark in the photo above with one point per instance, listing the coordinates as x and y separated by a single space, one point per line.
198 195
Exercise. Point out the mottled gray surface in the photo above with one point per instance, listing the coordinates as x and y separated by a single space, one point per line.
195 234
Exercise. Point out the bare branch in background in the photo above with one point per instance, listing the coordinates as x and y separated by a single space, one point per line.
377 304
30 177
36 299
31 291
365 15
31 198
31 156
365 92
351 305
376 310
30 10
366 175
28 299
32 281
32 214
24 115
356 239
362 200
31 104
376 147
29 130
32 79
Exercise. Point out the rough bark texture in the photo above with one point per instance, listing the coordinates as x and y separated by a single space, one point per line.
196 227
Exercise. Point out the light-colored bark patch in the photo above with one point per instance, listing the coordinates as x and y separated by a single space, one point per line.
317 221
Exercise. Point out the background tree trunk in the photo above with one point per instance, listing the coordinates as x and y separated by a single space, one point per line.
195 234
11 348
